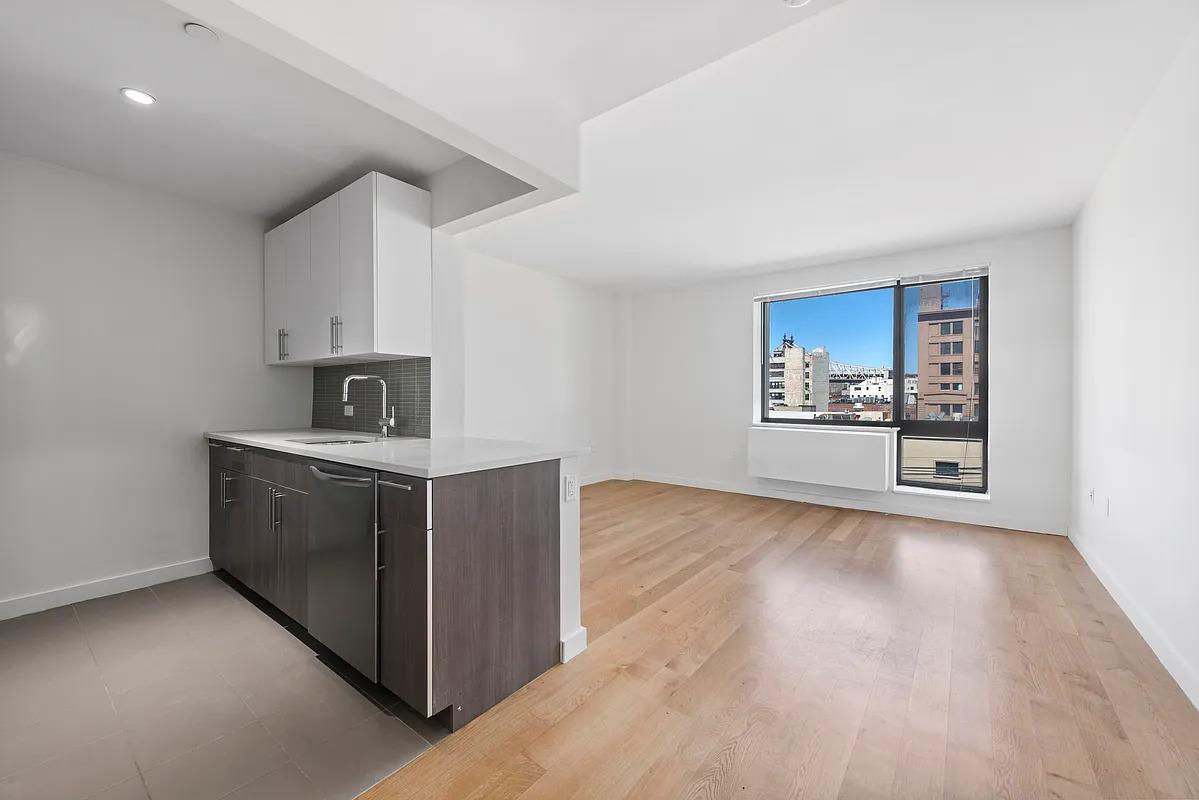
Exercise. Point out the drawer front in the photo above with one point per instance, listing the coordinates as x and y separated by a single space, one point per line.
405 499
279 469
233 457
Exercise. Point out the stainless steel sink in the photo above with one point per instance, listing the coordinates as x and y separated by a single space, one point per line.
329 440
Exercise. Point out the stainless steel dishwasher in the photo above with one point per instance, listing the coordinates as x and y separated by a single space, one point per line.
343 564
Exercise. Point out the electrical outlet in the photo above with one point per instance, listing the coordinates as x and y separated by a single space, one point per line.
570 487
348 411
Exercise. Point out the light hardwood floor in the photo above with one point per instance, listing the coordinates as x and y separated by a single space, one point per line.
750 647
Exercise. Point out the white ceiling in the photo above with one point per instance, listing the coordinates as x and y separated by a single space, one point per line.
231 125
519 74
875 125
591 57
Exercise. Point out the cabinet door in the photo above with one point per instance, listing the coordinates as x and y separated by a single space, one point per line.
291 531
218 524
404 268
264 563
275 294
326 274
404 601
238 522
357 276
300 343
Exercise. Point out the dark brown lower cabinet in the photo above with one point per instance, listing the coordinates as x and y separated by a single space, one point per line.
467 579
258 531
291 530
405 546
218 523
469 606
239 519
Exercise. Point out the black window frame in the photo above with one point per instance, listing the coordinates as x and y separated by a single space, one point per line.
965 430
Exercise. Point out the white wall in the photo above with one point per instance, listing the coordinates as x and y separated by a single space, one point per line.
684 414
131 324
1136 434
536 355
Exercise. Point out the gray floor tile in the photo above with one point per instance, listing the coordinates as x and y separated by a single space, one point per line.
132 789
306 704
124 670
74 725
198 592
185 724
55 693
285 783
215 769
74 775
353 761
119 608
427 729
41 638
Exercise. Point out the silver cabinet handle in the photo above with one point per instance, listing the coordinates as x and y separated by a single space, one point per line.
325 476
339 331
274 510
225 499
237 449
286 344
395 485
332 336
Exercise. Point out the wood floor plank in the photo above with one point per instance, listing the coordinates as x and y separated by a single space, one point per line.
747 647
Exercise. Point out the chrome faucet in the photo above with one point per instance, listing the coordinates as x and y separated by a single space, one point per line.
385 422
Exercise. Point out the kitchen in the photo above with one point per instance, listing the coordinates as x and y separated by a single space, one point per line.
325 575
431 566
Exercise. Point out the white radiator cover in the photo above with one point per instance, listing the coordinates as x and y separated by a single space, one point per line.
854 459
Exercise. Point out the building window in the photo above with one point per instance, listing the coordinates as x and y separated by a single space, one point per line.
872 357
830 346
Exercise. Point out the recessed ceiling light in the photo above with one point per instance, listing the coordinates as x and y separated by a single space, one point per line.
198 31
796 3
137 96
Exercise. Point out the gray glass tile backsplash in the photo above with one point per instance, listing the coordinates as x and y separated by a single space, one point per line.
407 390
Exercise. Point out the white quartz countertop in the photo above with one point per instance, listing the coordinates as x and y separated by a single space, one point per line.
405 455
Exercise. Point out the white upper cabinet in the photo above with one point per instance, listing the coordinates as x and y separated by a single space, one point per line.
326 276
287 281
351 277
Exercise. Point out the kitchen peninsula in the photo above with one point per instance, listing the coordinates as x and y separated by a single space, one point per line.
444 569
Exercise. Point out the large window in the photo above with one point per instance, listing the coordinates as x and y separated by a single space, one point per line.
891 356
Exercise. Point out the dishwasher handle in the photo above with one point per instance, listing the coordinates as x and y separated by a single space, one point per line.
344 480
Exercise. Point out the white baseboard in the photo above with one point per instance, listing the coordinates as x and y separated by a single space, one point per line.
573 644
840 501
1183 671
606 476
65 595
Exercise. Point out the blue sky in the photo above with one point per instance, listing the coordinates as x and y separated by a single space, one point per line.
856 327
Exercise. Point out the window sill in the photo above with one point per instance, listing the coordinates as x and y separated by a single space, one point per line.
945 493
786 426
